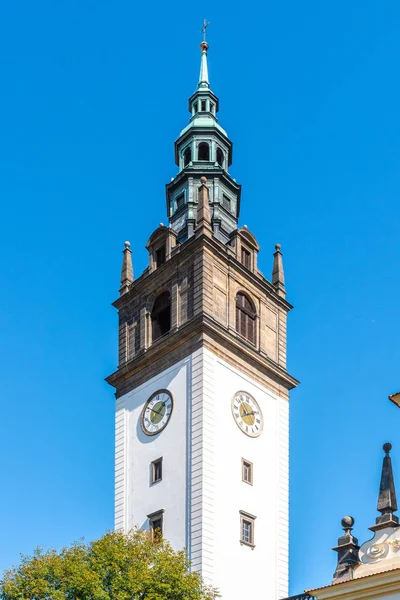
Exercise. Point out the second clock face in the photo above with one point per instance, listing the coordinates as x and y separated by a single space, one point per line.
157 412
247 414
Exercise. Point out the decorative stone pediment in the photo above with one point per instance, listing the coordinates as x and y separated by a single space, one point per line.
384 547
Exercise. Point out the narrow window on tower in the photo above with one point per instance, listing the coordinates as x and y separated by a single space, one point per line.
203 105
246 258
245 317
247 471
161 316
212 107
156 470
247 528
156 524
180 201
160 256
187 156
220 157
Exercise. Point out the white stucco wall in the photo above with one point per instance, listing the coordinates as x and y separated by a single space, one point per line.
135 451
202 490
239 570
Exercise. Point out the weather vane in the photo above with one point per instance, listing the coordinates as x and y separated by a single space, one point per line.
204 30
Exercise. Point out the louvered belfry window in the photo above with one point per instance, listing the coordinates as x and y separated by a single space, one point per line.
245 318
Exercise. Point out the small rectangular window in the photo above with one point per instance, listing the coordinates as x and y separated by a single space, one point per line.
203 105
160 256
247 528
156 524
180 201
226 202
247 471
246 258
156 470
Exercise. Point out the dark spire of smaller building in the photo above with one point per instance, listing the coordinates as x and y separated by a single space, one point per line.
278 276
203 220
387 503
127 269
347 550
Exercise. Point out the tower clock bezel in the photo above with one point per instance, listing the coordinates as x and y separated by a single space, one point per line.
241 424
142 415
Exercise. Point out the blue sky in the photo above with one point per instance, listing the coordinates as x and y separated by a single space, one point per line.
93 96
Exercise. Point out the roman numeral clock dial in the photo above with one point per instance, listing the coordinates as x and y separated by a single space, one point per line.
247 414
157 412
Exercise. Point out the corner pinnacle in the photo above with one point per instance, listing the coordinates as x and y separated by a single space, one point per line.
203 219
278 276
127 269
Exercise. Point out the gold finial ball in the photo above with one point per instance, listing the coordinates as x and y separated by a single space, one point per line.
204 46
203 180
277 246
127 244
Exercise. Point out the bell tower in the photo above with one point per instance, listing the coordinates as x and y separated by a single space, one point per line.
201 386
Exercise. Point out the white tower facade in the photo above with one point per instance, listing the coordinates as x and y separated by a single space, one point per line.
202 387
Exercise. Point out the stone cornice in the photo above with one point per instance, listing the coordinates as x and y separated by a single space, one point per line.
184 252
179 343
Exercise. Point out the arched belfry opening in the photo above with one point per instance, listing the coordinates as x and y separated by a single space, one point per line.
245 317
204 151
220 157
161 316
187 156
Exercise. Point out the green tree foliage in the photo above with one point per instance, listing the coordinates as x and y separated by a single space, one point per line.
116 567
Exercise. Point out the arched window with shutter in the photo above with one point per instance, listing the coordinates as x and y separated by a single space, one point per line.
245 317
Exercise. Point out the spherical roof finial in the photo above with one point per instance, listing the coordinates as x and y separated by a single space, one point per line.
203 180
387 447
127 244
204 46
347 522
277 246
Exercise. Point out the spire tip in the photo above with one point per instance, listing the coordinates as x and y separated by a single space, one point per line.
387 448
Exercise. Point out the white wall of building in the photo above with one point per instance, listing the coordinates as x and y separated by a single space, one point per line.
135 451
202 490
241 571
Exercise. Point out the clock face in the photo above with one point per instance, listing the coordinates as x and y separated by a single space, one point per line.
157 412
247 414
